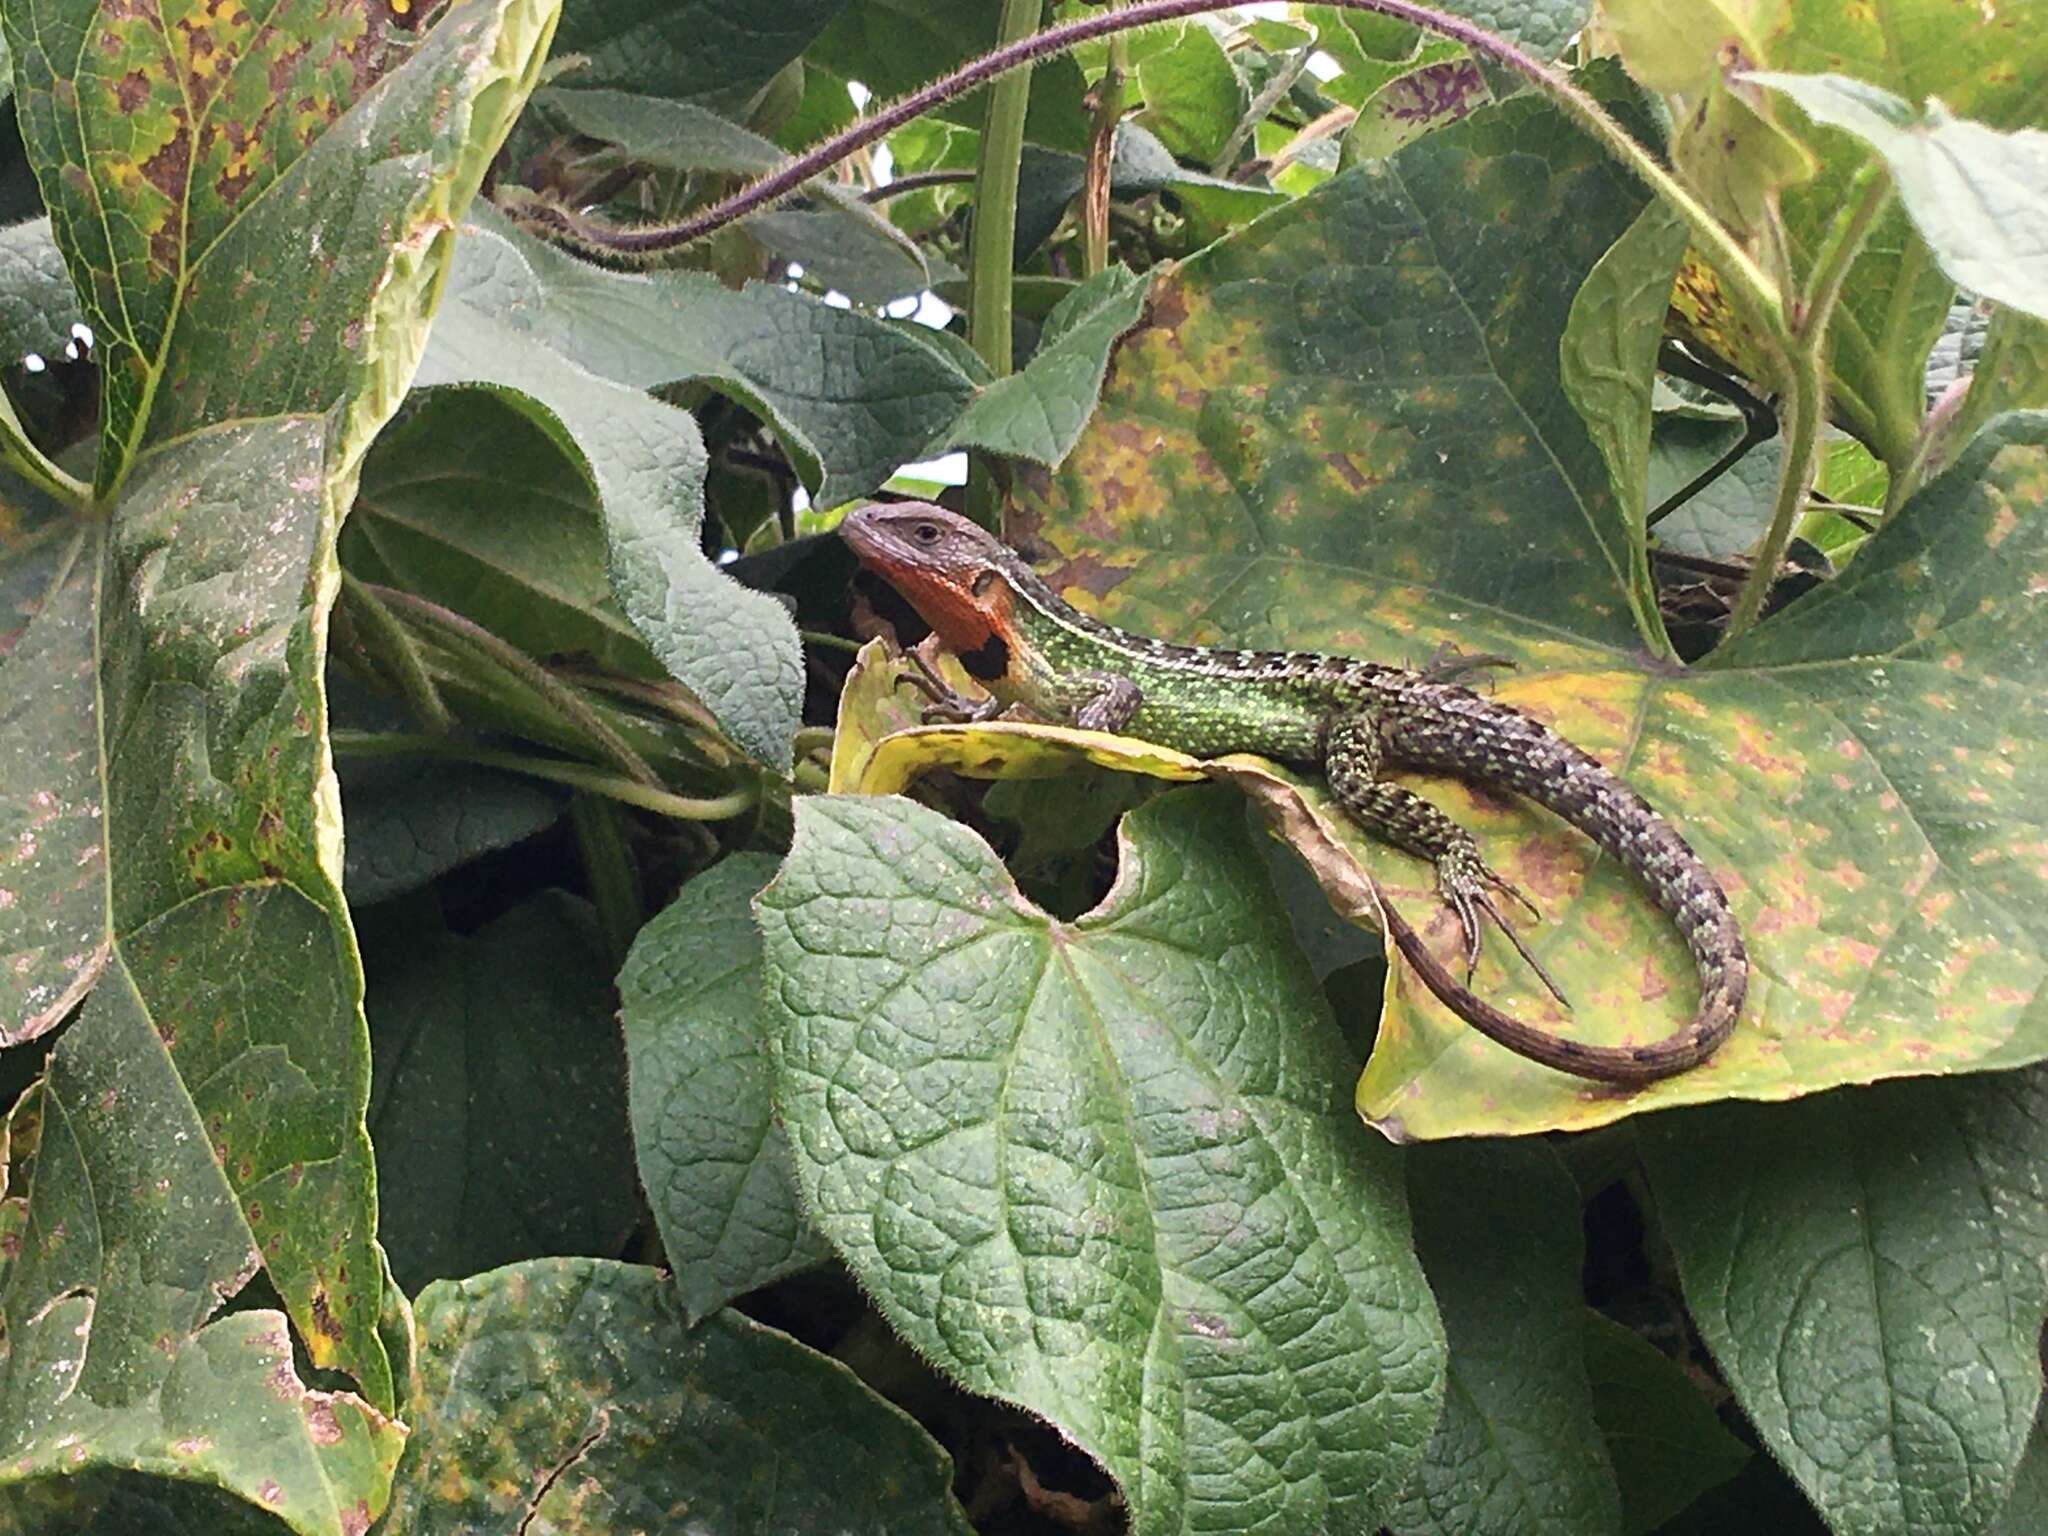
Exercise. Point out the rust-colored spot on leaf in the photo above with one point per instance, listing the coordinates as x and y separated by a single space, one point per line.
1165 310
166 171
1093 575
321 1424
284 1381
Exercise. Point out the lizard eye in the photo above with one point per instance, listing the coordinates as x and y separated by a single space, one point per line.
926 533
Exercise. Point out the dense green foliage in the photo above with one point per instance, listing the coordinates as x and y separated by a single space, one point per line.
507 1023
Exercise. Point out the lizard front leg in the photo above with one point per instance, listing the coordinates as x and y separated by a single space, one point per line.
948 704
1352 757
1111 704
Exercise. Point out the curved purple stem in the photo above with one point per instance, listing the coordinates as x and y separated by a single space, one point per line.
780 183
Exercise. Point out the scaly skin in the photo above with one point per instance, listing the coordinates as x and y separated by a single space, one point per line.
1345 719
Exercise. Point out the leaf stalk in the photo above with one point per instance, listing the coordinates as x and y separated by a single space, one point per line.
555 770
33 465
1806 396
390 647
567 703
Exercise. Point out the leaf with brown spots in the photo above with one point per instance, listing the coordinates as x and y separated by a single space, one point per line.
163 133
206 1105
573 1396
53 939
228 1410
1859 773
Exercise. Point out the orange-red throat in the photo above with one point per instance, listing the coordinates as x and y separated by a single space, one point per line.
946 567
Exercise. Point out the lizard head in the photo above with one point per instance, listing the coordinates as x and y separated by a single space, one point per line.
955 574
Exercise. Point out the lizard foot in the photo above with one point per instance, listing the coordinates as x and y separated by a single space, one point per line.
948 704
1447 663
1463 879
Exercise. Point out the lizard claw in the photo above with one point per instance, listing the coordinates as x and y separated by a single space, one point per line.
1463 881
948 704
1535 912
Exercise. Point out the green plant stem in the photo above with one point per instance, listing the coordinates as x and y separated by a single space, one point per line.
811 738
600 830
1862 201
1804 404
29 461
1267 99
554 770
830 642
390 647
509 708
672 700
1947 423
1806 397
1726 254
992 240
916 181
479 643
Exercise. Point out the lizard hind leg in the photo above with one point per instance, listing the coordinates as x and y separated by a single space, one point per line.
1352 754
1463 877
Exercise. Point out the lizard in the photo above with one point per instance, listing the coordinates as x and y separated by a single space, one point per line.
1346 719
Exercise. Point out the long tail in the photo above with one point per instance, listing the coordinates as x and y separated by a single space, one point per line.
1494 745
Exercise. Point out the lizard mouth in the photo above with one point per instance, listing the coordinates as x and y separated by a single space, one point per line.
965 613
874 542
859 530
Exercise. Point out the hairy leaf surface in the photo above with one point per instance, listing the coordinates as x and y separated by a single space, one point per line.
1872 1275
713 1160
1104 1168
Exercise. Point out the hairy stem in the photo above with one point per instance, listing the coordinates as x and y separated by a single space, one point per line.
1937 434
916 181
826 641
1804 405
390 646
1721 248
1862 201
568 704
599 826
1267 99
814 738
